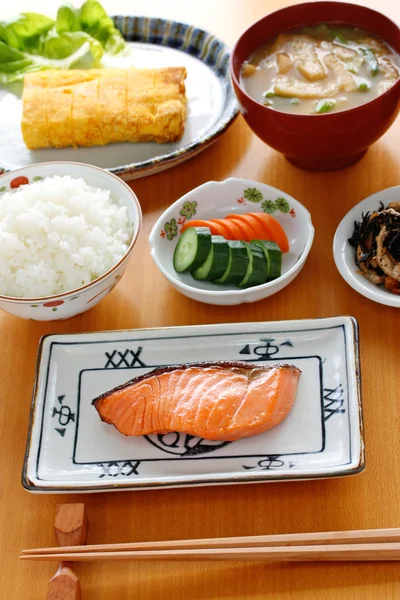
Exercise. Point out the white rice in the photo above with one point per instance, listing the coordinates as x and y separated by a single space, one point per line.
58 234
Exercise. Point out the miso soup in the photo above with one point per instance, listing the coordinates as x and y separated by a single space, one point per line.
319 69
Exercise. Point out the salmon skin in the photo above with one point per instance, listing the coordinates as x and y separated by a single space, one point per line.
223 401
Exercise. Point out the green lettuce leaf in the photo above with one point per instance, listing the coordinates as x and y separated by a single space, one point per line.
115 43
32 42
67 19
62 46
24 32
12 60
95 21
13 67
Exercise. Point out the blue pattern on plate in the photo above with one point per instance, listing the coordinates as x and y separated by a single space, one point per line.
181 36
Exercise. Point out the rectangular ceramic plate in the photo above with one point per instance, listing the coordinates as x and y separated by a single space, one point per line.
69 449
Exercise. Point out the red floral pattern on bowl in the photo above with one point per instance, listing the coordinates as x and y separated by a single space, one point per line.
65 305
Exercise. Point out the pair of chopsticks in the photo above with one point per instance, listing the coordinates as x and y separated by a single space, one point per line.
362 545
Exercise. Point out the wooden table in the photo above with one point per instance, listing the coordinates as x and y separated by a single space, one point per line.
144 299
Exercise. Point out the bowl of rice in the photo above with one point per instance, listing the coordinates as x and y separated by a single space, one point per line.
67 231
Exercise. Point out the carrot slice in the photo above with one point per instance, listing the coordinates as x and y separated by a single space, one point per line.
246 232
276 228
214 228
261 231
232 231
220 223
246 227
392 285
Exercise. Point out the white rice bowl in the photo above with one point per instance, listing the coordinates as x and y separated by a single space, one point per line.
57 235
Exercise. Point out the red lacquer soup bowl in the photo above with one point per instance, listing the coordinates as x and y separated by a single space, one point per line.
326 141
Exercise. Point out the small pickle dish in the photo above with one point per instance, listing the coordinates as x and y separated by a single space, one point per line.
232 241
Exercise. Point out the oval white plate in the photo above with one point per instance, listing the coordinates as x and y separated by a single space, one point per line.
215 200
154 43
344 256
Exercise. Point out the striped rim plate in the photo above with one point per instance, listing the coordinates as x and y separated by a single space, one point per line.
156 42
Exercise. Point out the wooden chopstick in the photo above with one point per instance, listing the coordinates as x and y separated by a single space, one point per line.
339 552
287 539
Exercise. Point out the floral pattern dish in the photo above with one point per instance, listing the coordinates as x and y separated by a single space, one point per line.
253 195
215 200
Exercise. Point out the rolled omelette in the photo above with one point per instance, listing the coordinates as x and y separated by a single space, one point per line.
100 106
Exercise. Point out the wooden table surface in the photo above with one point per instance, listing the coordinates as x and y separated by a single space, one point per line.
145 299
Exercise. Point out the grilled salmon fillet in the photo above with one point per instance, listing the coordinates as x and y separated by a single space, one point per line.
100 106
216 401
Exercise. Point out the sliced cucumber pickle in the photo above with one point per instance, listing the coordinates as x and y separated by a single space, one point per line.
237 265
192 249
256 272
273 256
216 261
